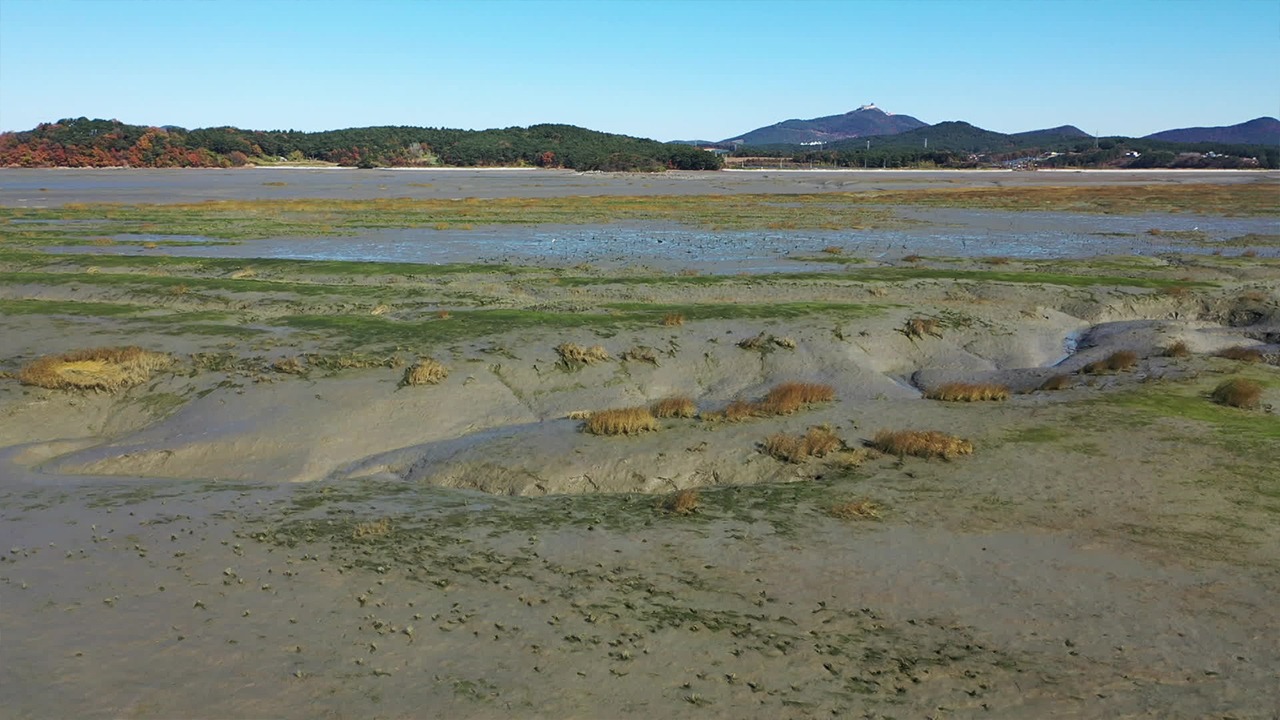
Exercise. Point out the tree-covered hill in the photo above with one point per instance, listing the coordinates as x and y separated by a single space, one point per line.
81 142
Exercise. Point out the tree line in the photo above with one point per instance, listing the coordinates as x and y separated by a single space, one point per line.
81 142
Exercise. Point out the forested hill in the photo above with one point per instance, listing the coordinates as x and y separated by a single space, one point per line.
82 142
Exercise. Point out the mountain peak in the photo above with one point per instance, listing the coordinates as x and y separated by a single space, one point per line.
866 120
871 106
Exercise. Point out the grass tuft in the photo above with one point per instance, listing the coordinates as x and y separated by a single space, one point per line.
1177 349
1245 394
919 327
1115 362
676 406
372 528
425 372
789 397
575 354
622 421
921 443
968 392
817 442
289 366
1057 382
1241 353
856 510
109 369
681 502
673 319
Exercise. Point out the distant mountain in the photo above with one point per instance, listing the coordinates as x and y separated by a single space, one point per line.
866 120
1060 131
1260 131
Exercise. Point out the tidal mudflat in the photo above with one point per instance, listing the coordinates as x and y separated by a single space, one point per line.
822 462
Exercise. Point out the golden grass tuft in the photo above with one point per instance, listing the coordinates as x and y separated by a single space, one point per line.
676 406
103 241
640 354
579 415
443 314
1249 254
833 250
1241 353
575 353
740 410
1175 291
919 327
673 319
179 289
856 510
968 392
996 260
425 372
1177 349
1115 362
108 369
622 421
380 309
817 442
681 502
785 342
913 258
921 443
1245 394
1057 382
150 245
1253 296
371 528
242 274
289 366
789 397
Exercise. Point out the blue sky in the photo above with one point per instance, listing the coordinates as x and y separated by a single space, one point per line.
667 70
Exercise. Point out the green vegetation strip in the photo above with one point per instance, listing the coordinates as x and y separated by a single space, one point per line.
896 274
272 265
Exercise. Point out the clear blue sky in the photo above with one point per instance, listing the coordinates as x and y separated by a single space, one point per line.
666 70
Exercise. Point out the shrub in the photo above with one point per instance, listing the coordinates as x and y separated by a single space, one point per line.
968 392
1241 353
425 372
681 502
673 319
1238 393
622 421
817 442
677 406
1177 349
1057 382
921 443
573 353
108 369
1116 361
789 397
919 327
856 510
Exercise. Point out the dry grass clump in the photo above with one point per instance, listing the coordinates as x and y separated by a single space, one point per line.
913 258
103 241
579 415
1177 350
1116 361
640 354
833 250
1249 253
817 442
380 309
575 353
856 510
425 372
789 397
622 421
1238 393
676 406
673 319
1057 382
681 502
996 260
179 289
372 528
921 443
108 369
289 366
785 342
968 392
1175 291
1253 296
754 343
919 327
443 314
242 274
1241 353
740 410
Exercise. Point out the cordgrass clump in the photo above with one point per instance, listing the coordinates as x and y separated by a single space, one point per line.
921 443
1057 382
372 528
681 502
425 372
817 442
789 397
289 366
968 392
575 354
919 327
856 510
622 421
1178 349
640 354
673 319
1115 362
108 369
676 406
1245 394
1241 353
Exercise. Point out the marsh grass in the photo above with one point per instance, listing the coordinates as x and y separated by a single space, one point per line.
681 502
676 406
817 442
640 353
968 392
575 354
1241 353
289 366
1178 349
921 443
1117 361
919 327
790 397
108 369
622 421
673 319
425 372
1056 382
1245 394
856 510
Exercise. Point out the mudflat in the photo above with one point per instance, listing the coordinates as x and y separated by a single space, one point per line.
973 445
